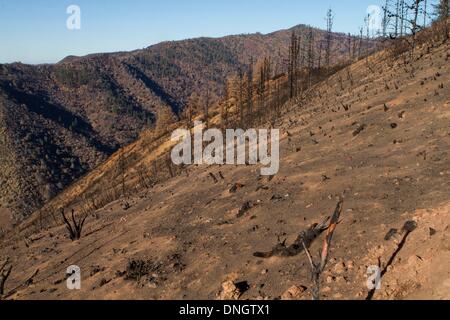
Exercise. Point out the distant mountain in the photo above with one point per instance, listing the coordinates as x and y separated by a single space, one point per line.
59 121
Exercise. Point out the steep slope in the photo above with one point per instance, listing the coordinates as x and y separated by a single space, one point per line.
77 112
376 133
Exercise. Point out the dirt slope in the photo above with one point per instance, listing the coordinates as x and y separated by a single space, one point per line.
376 133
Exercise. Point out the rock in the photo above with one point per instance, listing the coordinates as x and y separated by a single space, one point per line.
409 226
243 210
96 269
276 198
326 290
350 264
339 268
126 206
294 293
432 232
360 129
391 233
229 291
104 282
236 187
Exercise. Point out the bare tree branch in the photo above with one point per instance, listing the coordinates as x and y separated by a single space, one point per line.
318 268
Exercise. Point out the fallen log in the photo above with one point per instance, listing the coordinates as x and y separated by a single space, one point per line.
304 240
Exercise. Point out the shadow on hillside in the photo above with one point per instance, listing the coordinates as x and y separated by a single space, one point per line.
37 104
156 88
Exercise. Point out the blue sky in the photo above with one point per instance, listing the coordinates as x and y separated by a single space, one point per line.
34 31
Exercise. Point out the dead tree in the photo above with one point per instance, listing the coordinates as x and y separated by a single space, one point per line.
191 109
75 227
225 105
319 64
360 42
5 271
144 179
169 165
442 13
442 10
311 55
206 106
425 10
294 54
241 98
396 15
402 15
414 22
250 89
317 268
349 45
409 22
329 19
385 22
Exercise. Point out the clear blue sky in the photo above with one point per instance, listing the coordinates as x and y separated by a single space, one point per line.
34 31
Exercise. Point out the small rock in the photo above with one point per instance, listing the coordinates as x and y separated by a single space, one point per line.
104 282
243 210
294 293
390 234
432 232
360 129
236 187
409 226
126 206
229 291
339 268
326 289
350 264
276 198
